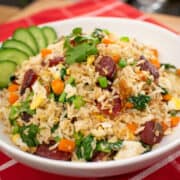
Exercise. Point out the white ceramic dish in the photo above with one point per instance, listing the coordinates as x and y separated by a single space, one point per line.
168 45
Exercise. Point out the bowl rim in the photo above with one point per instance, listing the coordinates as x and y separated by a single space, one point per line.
16 152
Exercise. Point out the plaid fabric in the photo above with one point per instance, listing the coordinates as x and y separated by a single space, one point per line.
168 168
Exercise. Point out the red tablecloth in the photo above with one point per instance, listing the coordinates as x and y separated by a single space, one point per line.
168 168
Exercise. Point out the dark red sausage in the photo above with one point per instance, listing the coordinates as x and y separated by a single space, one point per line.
147 66
152 133
99 156
116 106
106 67
115 109
43 150
29 78
26 117
55 61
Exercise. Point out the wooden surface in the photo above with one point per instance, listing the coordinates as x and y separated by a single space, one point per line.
12 13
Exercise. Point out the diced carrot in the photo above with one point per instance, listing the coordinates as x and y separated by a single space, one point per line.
129 105
45 52
132 127
13 87
106 41
174 121
178 72
155 52
167 97
13 97
57 86
66 145
155 62
164 126
116 58
143 78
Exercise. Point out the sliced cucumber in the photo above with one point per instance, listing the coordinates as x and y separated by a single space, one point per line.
39 36
12 43
25 36
50 34
7 69
13 54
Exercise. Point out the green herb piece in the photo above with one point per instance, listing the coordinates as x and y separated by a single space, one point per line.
78 136
122 63
25 107
168 66
108 147
124 39
164 91
15 129
71 81
55 126
62 97
80 52
29 134
98 33
57 139
173 112
70 99
140 102
103 82
149 81
14 113
51 96
17 110
106 31
146 146
116 145
63 73
85 147
77 31
78 102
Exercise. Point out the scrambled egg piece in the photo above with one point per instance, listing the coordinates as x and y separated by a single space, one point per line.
90 59
70 90
16 138
39 95
174 103
129 149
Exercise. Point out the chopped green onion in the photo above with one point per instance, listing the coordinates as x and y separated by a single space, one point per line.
78 102
122 63
103 82
124 39
62 97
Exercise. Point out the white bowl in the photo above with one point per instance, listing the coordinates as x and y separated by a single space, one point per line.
168 45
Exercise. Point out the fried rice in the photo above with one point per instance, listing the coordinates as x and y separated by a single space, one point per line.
116 102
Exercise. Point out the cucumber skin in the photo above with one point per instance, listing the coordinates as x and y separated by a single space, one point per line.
33 30
9 44
4 84
19 30
53 33
13 49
